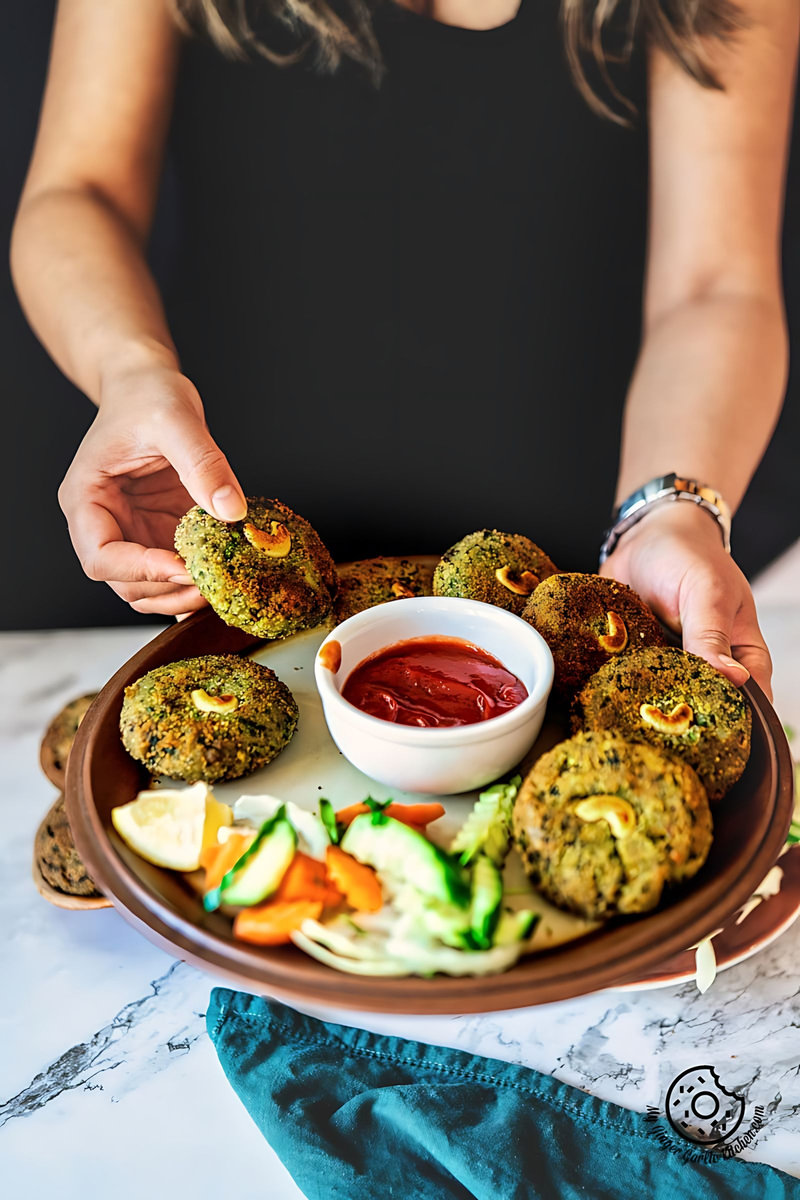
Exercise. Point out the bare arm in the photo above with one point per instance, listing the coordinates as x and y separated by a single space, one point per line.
78 263
710 379
88 200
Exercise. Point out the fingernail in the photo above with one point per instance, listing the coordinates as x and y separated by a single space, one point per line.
227 504
727 661
184 578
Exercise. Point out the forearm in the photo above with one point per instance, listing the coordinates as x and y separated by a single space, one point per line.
706 394
82 279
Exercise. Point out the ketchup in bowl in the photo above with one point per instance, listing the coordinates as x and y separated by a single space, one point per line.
433 682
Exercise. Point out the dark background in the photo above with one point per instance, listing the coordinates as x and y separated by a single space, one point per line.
45 417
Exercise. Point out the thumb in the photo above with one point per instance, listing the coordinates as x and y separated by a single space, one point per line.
202 467
707 621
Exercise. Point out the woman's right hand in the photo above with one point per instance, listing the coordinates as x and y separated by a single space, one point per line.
147 458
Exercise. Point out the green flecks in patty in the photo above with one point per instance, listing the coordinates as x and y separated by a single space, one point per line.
572 612
470 568
230 550
717 743
582 865
162 727
372 581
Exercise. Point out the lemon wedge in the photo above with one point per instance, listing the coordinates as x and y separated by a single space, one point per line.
170 827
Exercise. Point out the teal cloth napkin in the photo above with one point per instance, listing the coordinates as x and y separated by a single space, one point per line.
358 1116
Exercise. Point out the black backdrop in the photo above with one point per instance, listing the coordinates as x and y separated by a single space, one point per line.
45 417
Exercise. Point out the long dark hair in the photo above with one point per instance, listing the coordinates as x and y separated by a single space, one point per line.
597 33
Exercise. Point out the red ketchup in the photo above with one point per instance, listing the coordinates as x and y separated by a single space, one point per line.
433 682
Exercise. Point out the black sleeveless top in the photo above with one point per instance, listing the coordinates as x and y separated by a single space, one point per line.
412 311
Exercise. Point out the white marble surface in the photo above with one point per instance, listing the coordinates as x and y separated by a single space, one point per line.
109 1085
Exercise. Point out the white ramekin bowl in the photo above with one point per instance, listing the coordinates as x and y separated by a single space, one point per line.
442 760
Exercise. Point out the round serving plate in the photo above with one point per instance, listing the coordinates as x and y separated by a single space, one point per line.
751 824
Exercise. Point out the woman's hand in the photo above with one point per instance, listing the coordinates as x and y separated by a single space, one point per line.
712 370
675 560
146 459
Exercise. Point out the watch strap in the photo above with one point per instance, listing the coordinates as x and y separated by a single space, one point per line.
665 489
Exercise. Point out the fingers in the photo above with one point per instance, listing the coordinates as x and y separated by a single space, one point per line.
157 598
112 513
204 470
675 560
148 578
756 658
184 602
128 562
105 555
707 615
722 627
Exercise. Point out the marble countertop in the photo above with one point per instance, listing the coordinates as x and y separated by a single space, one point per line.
106 1073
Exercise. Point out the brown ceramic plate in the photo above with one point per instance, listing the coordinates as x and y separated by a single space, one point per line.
751 827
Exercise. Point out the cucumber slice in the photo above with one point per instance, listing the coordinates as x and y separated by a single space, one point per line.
328 818
312 836
485 901
404 855
515 927
260 869
487 829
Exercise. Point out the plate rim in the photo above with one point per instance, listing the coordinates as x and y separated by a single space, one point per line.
773 932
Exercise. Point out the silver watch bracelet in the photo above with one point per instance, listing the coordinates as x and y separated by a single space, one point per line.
665 489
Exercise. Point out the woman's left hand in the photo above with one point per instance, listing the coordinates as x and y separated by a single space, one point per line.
674 558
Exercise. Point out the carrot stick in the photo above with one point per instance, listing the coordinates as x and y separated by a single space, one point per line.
409 814
307 879
272 924
219 859
355 880
345 815
416 814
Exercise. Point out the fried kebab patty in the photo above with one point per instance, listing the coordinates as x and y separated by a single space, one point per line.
58 861
59 736
211 718
372 581
604 825
587 620
269 574
497 568
677 702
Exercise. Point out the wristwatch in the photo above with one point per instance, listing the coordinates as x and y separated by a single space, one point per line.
662 489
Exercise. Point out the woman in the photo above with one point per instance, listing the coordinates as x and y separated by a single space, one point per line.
710 371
